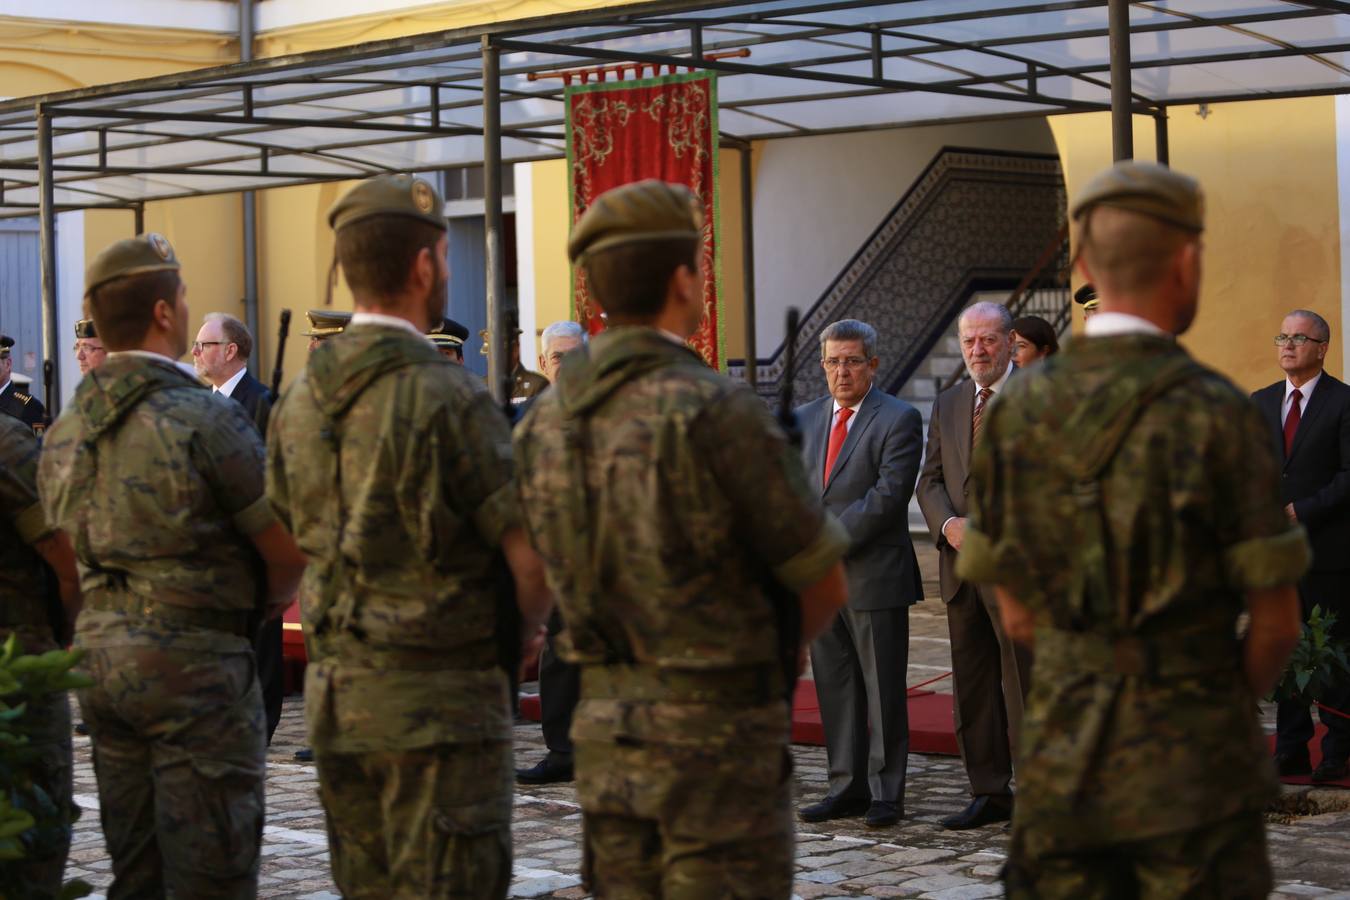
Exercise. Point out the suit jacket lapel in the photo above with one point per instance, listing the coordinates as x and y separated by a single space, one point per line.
1316 402
960 422
866 413
815 425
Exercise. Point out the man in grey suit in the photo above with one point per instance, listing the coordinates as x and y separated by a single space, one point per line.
862 448
990 674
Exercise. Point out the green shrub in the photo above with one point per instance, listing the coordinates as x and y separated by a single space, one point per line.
1318 662
31 823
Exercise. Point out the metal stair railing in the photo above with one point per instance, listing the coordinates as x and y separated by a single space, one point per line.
1047 281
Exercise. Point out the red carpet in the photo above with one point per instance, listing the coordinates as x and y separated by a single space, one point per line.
930 719
1315 749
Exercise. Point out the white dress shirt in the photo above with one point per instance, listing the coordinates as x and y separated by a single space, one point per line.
994 390
228 387
1306 392
1105 324
848 425
370 318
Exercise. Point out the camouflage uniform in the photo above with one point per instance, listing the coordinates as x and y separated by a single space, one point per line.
392 467
27 595
158 483
1142 759
659 544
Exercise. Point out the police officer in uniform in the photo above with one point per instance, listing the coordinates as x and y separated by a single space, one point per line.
671 511
22 405
325 323
89 351
449 337
1086 297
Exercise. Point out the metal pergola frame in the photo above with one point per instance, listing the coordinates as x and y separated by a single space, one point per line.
845 65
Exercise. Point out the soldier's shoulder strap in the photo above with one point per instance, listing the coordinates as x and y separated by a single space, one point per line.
1115 410
23 398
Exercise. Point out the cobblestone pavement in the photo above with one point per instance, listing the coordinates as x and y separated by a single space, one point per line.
913 859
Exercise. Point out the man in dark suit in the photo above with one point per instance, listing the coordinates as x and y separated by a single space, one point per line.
1309 416
990 674
559 680
221 354
862 447
21 404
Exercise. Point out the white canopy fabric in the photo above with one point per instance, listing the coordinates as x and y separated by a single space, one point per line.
807 67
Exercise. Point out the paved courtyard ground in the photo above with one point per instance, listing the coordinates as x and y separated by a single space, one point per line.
916 858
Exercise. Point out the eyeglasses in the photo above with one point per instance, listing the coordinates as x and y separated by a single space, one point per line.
1298 340
198 345
852 362
82 347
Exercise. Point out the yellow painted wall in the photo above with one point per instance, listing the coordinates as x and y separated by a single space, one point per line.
552 275
1272 234
295 250
39 58
433 17
206 234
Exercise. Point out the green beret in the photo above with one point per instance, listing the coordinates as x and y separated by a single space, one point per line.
1146 188
448 333
389 195
133 256
84 329
643 211
327 322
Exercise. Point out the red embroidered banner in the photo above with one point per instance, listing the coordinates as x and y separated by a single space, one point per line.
662 128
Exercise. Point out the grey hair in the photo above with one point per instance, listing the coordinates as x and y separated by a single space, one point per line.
850 330
563 329
991 310
1319 323
234 331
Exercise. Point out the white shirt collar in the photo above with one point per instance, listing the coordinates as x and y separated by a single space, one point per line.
370 318
834 412
1105 324
4 387
150 354
997 386
228 387
1305 390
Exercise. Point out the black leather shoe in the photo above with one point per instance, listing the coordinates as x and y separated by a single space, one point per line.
881 814
1330 771
546 771
984 810
305 755
1287 764
833 808
81 728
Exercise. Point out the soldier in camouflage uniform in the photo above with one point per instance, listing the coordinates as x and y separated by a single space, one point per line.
666 503
392 466
1126 507
159 485
30 609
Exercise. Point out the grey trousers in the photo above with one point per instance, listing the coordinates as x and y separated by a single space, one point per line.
859 665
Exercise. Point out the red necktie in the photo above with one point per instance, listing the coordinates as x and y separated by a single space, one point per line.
1291 421
837 435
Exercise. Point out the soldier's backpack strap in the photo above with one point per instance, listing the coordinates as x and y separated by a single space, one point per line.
1105 420
326 618
584 553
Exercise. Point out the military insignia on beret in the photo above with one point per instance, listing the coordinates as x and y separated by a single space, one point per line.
160 245
422 196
